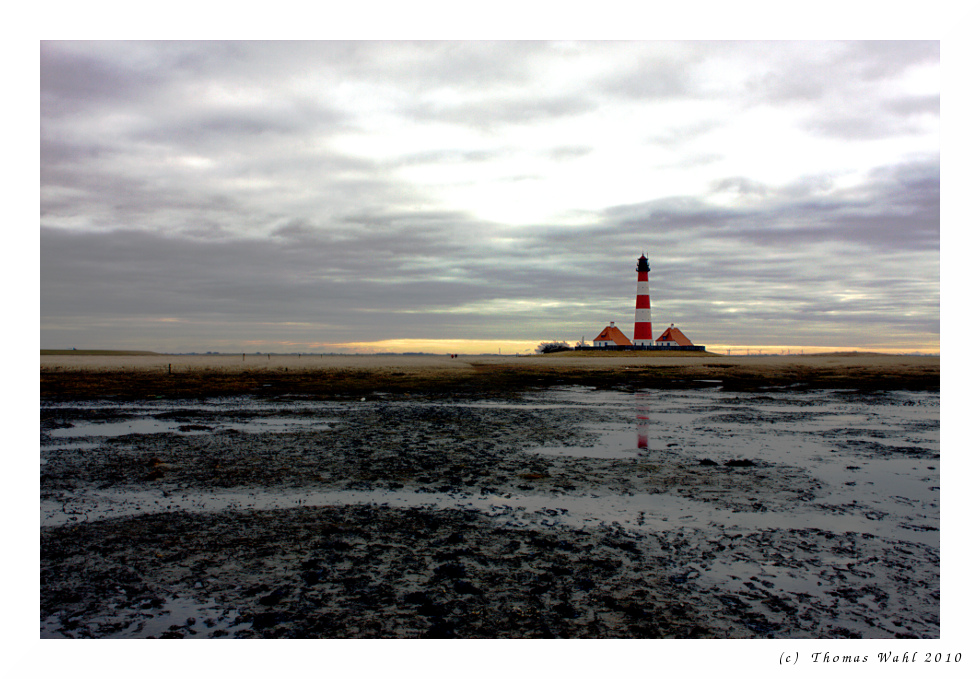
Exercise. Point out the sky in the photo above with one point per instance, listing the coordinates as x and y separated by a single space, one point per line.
485 196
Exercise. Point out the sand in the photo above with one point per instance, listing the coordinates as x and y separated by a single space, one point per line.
179 376
581 360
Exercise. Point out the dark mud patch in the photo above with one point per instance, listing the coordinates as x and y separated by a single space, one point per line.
377 572
356 572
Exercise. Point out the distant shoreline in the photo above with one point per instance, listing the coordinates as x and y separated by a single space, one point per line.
97 352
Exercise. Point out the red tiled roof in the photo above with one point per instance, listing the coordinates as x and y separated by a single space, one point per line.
613 334
672 334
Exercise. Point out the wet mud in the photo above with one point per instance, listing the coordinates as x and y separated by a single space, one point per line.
565 513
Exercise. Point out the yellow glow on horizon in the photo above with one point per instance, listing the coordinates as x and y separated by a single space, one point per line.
751 350
438 346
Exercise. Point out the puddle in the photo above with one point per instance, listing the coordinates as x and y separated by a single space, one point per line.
638 512
109 429
68 445
143 426
176 617
612 442
276 425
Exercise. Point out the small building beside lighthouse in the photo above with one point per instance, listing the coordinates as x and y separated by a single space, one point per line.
673 337
611 336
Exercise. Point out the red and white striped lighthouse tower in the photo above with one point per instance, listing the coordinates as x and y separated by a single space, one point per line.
643 329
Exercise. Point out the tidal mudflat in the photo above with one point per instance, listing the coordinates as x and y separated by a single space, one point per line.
558 512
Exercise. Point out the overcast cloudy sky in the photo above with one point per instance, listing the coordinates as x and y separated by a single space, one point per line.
476 196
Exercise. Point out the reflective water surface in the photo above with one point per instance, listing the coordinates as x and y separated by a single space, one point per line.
876 456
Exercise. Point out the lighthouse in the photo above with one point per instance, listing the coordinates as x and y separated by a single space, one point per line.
642 329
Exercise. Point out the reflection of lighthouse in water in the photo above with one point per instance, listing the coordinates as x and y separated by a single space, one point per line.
642 419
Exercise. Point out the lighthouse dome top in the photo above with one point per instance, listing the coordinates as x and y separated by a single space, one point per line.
642 264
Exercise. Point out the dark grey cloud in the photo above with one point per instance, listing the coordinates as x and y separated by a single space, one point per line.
569 152
493 111
676 136
853 124
898 209
654 79
270 123
73 79
877 59
913 105
743 186
455 156
423 66
844 86
820 70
